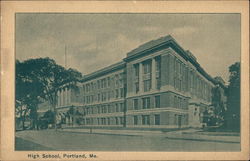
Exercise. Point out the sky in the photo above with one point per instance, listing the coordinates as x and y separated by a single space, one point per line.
94 41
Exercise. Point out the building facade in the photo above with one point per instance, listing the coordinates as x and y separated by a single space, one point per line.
158 85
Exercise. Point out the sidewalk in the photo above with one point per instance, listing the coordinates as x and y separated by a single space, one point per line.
188 134
114 132
199 136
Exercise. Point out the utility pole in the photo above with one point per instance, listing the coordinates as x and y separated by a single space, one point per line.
65 56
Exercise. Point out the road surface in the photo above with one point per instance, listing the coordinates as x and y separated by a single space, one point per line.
63 141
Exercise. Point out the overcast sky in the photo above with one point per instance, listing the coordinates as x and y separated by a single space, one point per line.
97 40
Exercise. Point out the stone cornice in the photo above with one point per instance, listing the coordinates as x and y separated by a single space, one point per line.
104 71
162 43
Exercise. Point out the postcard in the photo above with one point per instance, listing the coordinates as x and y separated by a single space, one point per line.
124 80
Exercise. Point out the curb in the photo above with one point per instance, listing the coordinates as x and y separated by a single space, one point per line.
204 140
79 132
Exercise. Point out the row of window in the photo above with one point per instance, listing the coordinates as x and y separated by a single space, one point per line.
105 121
180 102
185 80
180 119
146 103
104 96
107 108
145 120
196 85
179 76
117 80
199 87
147 76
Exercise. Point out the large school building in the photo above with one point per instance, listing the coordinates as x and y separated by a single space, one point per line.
158 85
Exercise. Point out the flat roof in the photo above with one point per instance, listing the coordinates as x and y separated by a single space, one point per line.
103 71
147 48
163 42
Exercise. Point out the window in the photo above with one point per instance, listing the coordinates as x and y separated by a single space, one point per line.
184 103
157 119
89 99
147 67
83 99
158 63
116 93
92 98
104 96
157 102
121 107
121 92
98 121
121 79
102 109
88 121
135 120
92 110
99 97
104 121
99 109
98 84
180 84
116 107
136 87
109 108
158 72
135 104
146 103
104 83
147 85
92 86
87 88
158 83
83 88
145 120
136 68
108 119
116 121
179 102
116 80
175 101
175 119
121 120
105 109
108 81
109 93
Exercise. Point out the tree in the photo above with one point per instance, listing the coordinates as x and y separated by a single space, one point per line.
28 91
233 112
219 103
38 79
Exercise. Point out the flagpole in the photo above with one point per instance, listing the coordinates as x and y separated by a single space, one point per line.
65 57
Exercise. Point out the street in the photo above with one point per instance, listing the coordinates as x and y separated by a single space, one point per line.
75 141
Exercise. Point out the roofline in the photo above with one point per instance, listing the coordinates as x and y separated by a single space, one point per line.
103 71
170 42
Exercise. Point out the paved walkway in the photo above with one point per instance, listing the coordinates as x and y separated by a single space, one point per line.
197 136
188 134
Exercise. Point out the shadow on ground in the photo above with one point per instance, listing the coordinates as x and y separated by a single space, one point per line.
21 144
